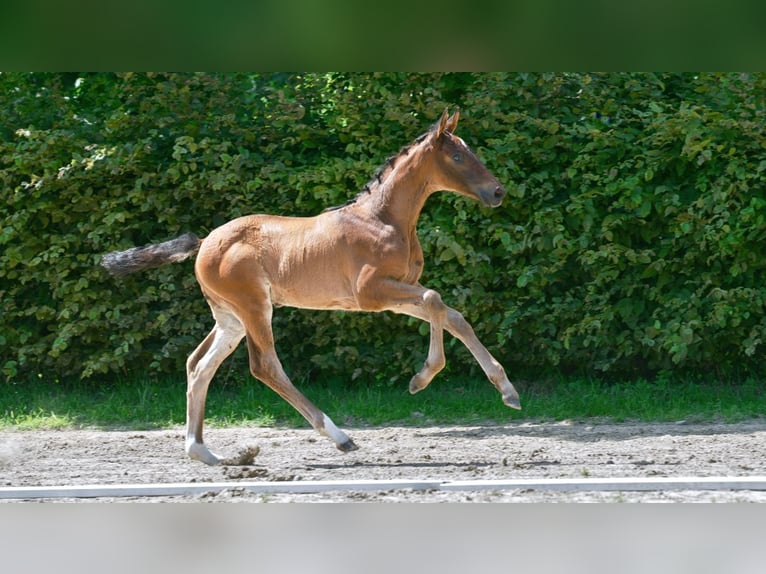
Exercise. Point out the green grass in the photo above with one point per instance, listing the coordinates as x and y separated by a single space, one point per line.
147 404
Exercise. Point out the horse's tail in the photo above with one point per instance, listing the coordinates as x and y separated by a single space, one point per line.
149 256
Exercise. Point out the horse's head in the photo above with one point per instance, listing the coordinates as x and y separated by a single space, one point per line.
456 167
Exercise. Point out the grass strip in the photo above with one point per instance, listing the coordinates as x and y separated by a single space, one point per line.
146 403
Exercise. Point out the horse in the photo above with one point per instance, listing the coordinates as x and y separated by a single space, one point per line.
362 256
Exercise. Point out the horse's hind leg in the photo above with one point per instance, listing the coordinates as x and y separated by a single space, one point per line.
200 369
266 367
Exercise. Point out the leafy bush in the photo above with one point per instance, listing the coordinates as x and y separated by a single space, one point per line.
632 239
638 244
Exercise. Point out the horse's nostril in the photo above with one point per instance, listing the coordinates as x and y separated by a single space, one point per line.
499 192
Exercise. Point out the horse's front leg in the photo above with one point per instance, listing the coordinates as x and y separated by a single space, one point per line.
436 313
460 328
415 301
426 304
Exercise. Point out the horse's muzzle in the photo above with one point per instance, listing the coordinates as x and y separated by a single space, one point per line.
494 197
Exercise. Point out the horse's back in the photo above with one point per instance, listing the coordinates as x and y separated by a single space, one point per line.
297 261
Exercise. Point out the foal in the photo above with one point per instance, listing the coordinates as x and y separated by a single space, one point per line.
364 256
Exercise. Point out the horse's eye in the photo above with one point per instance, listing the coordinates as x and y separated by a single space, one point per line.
457 157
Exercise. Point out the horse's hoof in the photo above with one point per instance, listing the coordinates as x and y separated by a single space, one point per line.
417 384
198 451
347 446
512 401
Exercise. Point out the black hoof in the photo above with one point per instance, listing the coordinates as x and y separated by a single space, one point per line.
347 446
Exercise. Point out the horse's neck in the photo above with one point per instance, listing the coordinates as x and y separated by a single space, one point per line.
399 199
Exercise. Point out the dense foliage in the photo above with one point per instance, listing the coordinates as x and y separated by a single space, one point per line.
633 238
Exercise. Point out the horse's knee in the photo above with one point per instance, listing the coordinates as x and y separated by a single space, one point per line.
432 299
433 304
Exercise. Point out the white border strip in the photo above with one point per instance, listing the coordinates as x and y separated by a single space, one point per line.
314 486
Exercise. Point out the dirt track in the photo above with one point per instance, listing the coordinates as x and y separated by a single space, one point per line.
522 450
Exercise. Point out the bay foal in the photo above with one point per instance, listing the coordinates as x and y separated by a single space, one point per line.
364 256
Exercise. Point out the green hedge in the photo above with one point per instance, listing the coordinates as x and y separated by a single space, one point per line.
632 239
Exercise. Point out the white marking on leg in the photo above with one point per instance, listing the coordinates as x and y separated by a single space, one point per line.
330 430
198 451
227 334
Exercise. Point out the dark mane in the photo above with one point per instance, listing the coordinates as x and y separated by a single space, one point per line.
381 172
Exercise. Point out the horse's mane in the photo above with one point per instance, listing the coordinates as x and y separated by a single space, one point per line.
382 172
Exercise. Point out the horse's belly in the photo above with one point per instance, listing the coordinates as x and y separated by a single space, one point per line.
312 296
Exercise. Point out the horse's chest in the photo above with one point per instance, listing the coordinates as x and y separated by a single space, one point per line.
394 252
415 262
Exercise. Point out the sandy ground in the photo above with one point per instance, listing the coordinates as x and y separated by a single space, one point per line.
442 453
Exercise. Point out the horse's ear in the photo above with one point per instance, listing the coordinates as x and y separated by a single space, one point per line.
452 122
443 121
